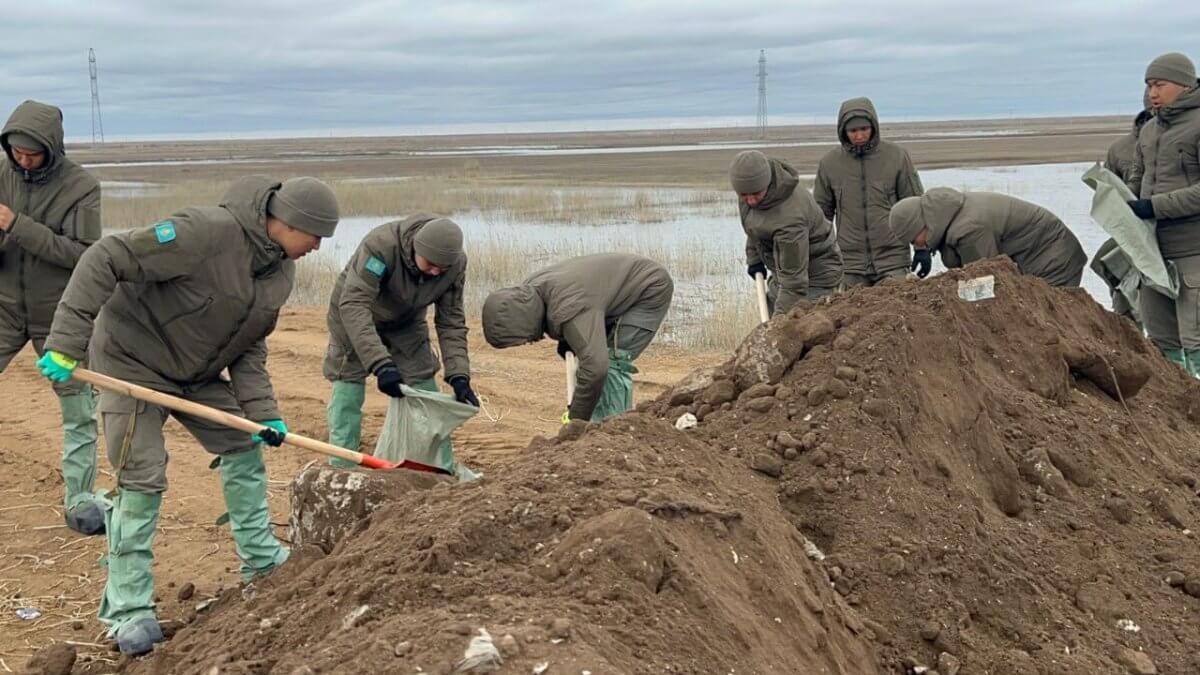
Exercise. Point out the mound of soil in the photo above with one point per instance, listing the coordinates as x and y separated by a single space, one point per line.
896 480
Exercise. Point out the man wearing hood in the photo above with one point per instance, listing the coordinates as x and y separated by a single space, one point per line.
377 323
1166 180
1110 262
604 308
170 307
859 183
786 234
49 215
968 226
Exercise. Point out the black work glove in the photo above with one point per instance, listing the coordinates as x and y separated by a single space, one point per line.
922 262
388 379
1142 208
462 390
563 348
757 268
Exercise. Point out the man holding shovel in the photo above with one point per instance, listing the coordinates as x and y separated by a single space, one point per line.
49 215
170 307
603 308
786 233
377 320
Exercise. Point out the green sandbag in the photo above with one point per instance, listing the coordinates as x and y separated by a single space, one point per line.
617 395
418 427
1135 237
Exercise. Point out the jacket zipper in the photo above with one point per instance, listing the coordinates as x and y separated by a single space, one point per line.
862 165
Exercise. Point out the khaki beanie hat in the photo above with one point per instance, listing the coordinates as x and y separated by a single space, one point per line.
1172 67
906 219
858 121
25 142
750 172
440 241
306 204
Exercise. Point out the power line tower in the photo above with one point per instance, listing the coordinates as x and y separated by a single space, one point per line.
762 93
97 121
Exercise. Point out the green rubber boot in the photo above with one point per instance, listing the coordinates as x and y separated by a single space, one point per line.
244 482
1192 364
82 508
1177 356
344 415
127 606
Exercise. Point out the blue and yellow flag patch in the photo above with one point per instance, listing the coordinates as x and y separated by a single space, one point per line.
376 266
164 232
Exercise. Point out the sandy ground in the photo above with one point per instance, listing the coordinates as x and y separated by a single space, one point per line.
45 565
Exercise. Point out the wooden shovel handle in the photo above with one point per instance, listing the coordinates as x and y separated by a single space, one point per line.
760 288
233 421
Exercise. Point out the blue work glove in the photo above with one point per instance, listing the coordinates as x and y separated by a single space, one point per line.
1142 208
756 268
273 434
922 262
58 367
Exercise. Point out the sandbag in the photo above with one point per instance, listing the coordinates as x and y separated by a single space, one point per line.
418 427
1135 237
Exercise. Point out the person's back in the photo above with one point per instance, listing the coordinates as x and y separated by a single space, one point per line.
611 283
1036 239
604 308
856 186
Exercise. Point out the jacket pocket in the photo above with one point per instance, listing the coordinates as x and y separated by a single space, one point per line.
1184 161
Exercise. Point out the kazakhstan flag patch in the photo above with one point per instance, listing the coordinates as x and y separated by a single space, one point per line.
164 232
376 266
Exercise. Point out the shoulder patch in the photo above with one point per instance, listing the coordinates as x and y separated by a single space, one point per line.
376 266
164 232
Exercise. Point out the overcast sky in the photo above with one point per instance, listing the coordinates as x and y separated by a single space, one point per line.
235 66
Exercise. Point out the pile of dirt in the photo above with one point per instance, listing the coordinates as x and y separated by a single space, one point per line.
1008 482
894 481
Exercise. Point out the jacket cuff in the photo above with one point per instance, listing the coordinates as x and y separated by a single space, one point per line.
20 225
262 410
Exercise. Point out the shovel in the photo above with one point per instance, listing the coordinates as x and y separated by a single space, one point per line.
234 422
760 286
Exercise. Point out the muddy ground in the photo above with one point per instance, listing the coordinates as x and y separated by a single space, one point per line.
42 564
893 481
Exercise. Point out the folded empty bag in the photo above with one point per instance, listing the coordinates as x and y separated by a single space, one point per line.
1135 237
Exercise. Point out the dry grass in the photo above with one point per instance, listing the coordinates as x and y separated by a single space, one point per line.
712 310
566 205
713 307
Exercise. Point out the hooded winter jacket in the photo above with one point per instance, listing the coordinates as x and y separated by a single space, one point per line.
860 185
172 305
57 210
1123 152
1167 172
580 301
787 233
381 298
968 226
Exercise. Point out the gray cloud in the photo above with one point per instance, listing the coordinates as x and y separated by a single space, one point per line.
176 67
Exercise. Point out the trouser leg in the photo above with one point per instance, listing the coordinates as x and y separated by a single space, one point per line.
344 417
243 481
134 441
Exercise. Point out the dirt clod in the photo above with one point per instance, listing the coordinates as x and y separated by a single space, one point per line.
186 592
55 659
